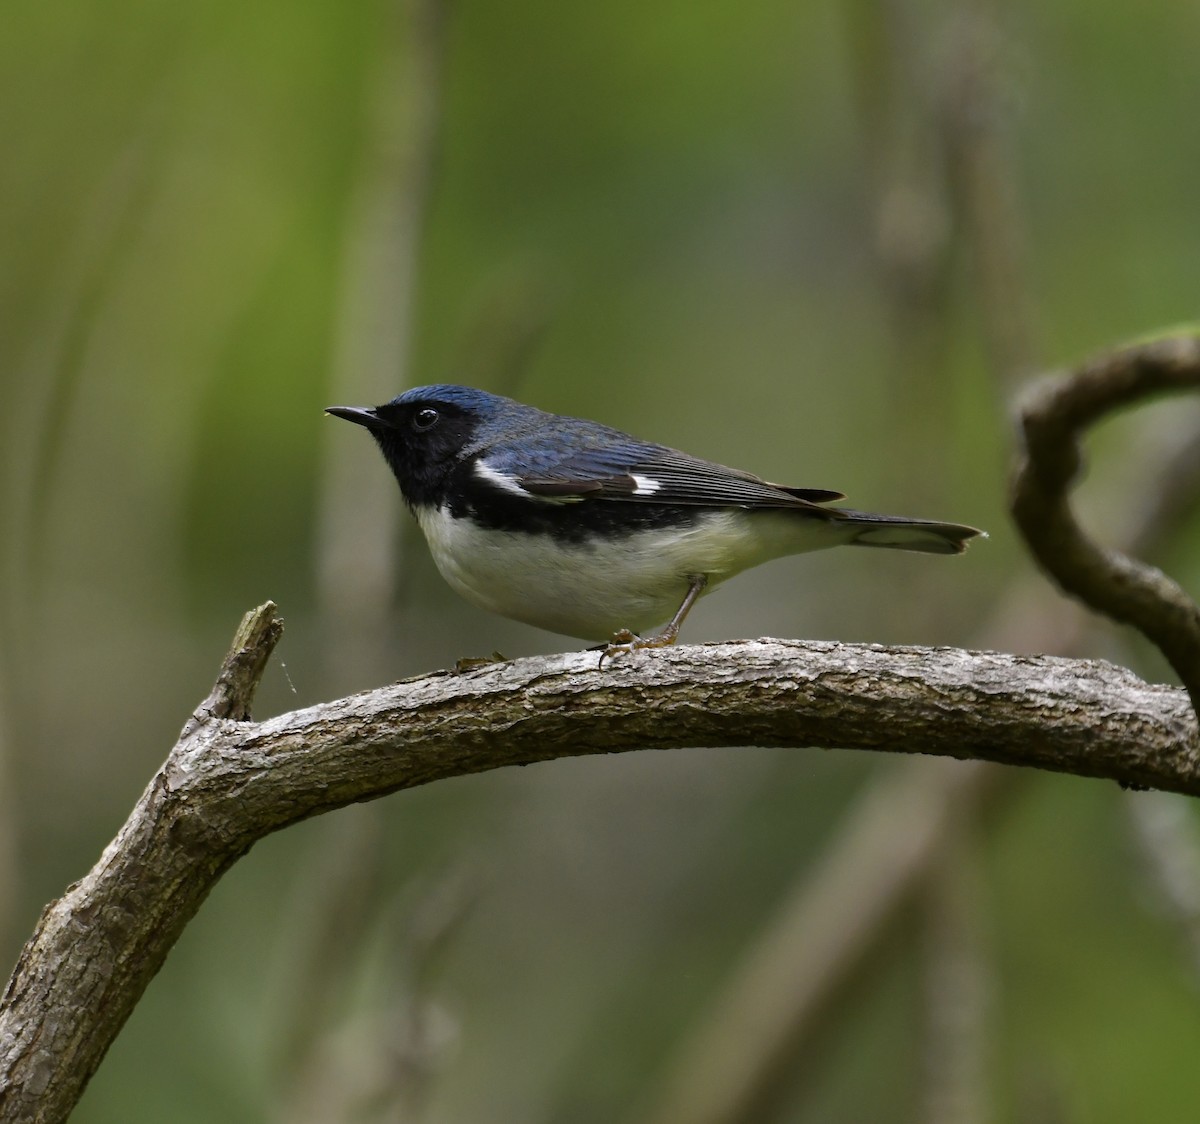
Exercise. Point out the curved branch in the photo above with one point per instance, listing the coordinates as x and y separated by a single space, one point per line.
1052 416
228 783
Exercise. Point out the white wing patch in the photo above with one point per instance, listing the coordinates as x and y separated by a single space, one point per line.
645 485
513 486
500 480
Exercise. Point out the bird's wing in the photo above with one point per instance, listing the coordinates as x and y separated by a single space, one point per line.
633 471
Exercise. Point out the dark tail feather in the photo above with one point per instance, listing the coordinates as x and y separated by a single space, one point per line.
894 532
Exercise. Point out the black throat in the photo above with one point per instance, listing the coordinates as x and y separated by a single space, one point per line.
425 464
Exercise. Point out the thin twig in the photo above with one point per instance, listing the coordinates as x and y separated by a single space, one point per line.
358 520
974 105
359 544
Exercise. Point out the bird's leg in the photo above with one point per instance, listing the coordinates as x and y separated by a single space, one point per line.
626 641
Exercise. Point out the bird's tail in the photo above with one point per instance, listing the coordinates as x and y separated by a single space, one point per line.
897 533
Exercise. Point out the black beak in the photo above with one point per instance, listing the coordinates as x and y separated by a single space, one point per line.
360 415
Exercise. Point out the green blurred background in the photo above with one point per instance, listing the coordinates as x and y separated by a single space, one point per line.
822 241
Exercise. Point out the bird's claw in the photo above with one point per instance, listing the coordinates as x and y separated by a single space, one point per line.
624 642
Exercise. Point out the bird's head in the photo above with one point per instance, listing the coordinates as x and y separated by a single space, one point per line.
426 432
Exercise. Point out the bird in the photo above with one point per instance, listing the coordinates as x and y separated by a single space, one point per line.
584 530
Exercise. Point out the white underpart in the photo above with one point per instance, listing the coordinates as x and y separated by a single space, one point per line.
594 588
645 485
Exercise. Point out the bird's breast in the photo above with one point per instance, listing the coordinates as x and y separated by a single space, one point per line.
593 586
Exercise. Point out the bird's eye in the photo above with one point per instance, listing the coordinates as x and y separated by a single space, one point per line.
425 419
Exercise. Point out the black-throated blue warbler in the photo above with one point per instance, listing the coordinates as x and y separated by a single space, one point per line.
577 528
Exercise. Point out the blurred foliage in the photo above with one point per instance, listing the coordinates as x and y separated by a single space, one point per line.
671 217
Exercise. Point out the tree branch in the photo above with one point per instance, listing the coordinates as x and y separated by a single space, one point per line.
1052 416
228 783
242 670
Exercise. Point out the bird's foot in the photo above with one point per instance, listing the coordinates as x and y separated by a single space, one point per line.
624 642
